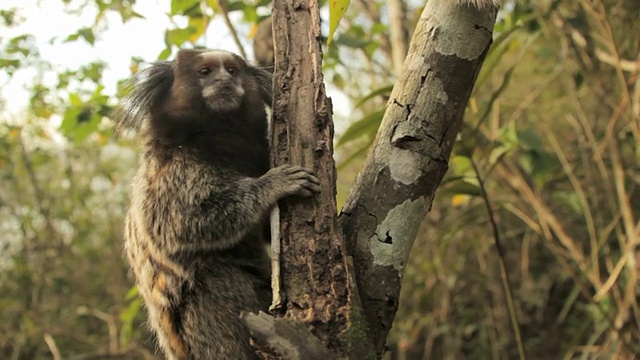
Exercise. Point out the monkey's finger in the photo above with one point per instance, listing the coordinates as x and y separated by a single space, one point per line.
305 193
313 179
287 170
305 175
290 169
293 169
315 188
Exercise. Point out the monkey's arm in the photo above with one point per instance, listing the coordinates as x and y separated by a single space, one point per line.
226 215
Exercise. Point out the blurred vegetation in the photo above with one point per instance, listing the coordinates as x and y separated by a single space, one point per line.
552 133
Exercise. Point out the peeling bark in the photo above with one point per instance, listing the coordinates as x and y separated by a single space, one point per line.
409 157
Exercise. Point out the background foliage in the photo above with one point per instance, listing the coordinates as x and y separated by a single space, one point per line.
550 144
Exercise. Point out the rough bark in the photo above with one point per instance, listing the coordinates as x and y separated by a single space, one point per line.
409 157
313 261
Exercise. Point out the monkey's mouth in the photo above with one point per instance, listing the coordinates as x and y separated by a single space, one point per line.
225 101
223 90
227 92
223 97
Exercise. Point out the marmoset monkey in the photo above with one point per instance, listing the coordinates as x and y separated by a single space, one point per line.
193 234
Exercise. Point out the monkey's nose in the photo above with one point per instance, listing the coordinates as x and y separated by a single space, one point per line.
223 76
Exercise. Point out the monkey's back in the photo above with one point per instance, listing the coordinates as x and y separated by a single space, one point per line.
193 298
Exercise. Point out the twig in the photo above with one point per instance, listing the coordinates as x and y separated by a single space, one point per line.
222 5
109 320
53 348
38 194
276 249
504 275
517 183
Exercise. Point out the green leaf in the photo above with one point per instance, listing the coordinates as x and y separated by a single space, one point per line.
383 91
466 142
530 140
371 47
82 118
132 293
8 17
338 81
379 28
368 125
461 187
570 200
250 15
578 79
92 72
20 45
128 316
74 100
497 153
9 65
72 37
236 6
539 165
181 7
164 54
361 151
509 135
351 41
337 9
88 35
84 33
178 37
461 166
198 25
503 44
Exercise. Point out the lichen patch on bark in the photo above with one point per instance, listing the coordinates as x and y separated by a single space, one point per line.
453 30
405 166
392 242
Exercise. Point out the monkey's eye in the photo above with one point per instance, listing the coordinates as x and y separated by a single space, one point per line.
205 71
232 70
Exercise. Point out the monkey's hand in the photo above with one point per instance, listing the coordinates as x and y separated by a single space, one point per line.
288 180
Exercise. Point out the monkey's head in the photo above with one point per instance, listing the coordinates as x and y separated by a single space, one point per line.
223 80
198 87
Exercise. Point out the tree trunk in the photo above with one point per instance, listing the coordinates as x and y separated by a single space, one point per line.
393 193
314 266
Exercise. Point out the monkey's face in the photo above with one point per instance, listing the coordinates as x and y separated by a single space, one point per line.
221 75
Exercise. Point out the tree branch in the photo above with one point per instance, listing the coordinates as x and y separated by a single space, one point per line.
222 5
409 157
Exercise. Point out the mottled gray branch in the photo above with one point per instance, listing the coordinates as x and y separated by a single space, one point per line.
410 155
